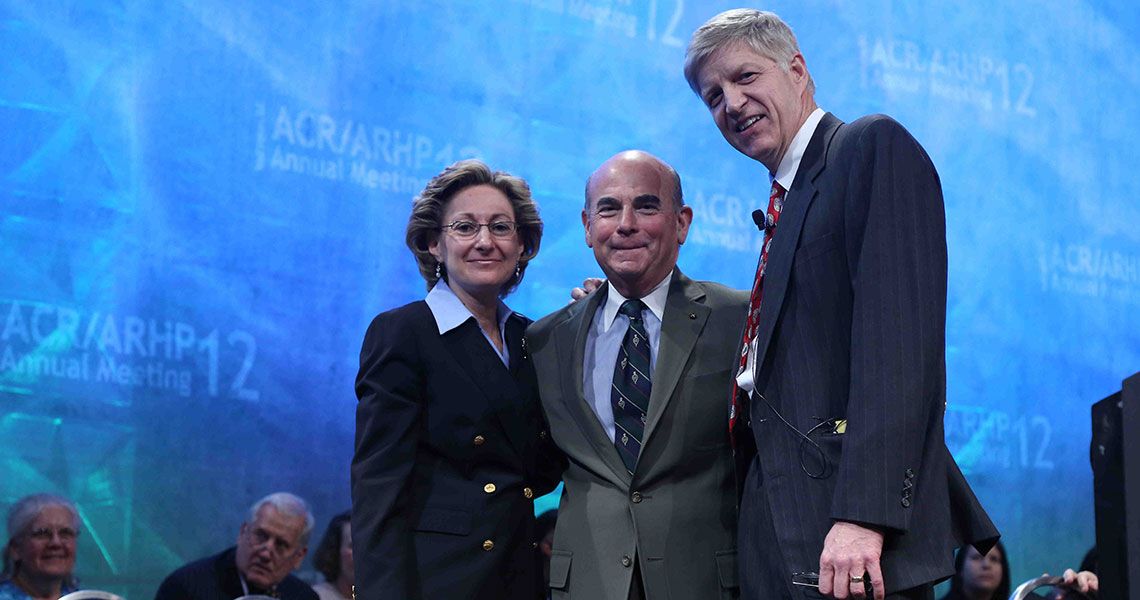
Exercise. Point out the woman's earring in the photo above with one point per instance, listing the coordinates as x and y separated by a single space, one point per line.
438 271
517 269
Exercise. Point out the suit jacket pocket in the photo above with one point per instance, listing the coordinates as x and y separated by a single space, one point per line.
831 443
445 520
726 569
812 248
560 569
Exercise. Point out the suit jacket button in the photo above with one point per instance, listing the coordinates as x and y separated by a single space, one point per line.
636 497
489 488
488 545
906 502
528 493
478 441
626 561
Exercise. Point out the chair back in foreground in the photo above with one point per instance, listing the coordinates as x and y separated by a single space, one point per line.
90 595
1025 590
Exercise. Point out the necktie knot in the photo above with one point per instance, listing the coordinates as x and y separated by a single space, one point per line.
632 309
777 190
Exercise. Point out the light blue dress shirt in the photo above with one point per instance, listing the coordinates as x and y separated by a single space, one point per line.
603 344
450 312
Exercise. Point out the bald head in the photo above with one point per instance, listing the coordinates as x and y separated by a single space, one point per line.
636 156
635 220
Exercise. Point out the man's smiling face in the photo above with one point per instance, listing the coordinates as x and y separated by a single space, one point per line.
757 104
633 222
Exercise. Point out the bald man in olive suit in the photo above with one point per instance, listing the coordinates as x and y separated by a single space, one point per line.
649 506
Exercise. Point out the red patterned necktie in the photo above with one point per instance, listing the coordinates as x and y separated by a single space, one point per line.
775 206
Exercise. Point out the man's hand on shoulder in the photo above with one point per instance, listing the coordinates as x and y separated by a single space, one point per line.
588 285
850 553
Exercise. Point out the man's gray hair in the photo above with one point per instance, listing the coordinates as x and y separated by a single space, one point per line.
286 504
762 31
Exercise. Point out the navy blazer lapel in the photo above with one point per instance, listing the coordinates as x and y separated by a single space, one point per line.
782 253
516 342
681 323
571 334
517 415
492 378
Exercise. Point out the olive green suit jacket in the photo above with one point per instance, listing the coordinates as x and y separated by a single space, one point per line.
676 515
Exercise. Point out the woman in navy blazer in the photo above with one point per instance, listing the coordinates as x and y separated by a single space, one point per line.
451 444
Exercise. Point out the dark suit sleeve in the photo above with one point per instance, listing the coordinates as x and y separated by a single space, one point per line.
896 248
298 589
390 390
172 588
970 521
550 461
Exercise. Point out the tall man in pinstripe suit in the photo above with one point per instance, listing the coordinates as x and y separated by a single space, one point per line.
843 363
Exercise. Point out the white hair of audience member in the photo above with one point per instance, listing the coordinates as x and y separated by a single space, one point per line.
25 511
286 504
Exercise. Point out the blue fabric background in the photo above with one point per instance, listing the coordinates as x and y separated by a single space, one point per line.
202 205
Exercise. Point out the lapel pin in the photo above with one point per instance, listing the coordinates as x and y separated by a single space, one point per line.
692 315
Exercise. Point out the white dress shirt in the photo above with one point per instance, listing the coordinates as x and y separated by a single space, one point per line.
785 174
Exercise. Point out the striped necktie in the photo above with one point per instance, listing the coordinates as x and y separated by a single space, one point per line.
629 393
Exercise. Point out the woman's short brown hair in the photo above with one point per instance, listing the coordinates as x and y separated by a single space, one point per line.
426 221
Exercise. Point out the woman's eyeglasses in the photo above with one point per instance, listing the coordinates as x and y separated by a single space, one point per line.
466 230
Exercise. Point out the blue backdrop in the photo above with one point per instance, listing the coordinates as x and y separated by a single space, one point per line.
202 205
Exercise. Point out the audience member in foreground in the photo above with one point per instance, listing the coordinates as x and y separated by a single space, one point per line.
987 577
271 544
40 554
333 558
